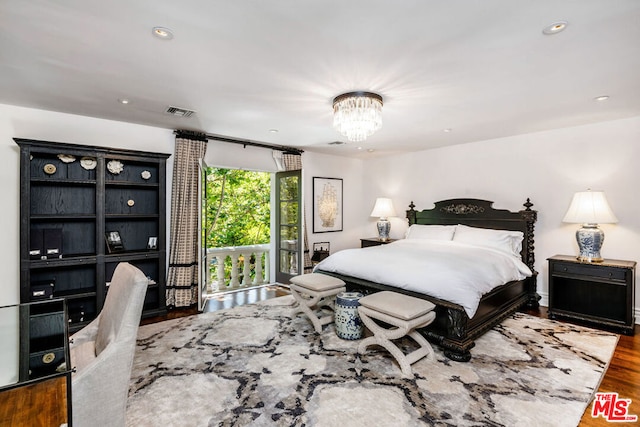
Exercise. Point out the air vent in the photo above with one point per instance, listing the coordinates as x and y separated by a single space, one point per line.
180 112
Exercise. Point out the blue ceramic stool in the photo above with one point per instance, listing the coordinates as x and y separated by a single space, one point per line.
347 320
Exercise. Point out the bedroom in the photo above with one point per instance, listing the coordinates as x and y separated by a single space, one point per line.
547 166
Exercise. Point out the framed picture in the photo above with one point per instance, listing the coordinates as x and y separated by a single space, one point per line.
327 204
152 243
114 241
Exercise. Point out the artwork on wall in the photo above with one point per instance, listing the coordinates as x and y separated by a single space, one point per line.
327 204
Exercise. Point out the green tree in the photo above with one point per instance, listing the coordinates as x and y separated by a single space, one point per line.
238 207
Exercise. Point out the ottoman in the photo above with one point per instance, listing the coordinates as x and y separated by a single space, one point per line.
403 314
314 291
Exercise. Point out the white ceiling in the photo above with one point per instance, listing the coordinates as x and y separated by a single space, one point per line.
482 68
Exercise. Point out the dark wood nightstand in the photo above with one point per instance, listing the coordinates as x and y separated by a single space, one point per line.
374 241
600 293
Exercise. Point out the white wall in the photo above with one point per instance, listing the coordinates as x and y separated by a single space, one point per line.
548 167
354 212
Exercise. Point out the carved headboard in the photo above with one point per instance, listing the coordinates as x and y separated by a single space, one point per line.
480 213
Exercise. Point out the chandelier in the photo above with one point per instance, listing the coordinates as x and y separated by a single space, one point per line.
357 115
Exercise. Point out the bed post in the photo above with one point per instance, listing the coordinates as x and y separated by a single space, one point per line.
411 214
530 216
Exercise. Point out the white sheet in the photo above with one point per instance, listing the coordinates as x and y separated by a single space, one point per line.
452 271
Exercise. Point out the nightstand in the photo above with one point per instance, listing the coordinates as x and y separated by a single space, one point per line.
374 241
599 293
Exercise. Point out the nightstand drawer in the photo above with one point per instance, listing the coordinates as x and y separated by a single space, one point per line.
590 270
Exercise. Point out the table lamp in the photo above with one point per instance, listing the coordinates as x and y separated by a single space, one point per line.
383 209
590 208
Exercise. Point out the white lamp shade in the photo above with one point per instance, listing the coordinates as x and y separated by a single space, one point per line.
383 208
590 207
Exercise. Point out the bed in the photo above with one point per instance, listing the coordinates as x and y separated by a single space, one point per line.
454 329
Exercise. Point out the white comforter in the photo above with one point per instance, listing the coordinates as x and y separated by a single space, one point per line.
452 271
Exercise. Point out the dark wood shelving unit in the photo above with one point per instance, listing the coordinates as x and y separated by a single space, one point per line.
81 200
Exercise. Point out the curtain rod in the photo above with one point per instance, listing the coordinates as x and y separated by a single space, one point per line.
243 142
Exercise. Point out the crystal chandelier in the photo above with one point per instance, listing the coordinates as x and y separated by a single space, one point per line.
357 115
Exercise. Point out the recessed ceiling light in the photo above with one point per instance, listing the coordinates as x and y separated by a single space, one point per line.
447 130
162 33
370 150
601 98
555 28
273 130
123 101
359 148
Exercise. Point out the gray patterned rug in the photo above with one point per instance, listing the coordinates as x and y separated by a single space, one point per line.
255 366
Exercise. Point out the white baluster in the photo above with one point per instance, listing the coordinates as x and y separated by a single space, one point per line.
220 266
259 279
246 269
208 279
235 283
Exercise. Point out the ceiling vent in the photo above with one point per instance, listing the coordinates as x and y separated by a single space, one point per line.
180 112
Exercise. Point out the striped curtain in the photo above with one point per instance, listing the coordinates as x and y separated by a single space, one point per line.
293 162
182 278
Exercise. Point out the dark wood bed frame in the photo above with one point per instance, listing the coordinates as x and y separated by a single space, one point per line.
452 329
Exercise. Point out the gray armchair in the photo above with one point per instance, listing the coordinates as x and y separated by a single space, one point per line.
102 353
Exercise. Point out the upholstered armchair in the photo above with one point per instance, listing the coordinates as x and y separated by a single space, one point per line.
102 353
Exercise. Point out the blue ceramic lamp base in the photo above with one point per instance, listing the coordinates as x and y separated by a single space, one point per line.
384 227
590 239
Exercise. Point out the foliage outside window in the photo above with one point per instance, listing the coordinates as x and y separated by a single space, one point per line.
237 208
237 213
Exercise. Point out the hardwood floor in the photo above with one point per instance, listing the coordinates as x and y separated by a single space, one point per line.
622 377
225 300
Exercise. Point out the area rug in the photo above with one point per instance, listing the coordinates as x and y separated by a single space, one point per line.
254 365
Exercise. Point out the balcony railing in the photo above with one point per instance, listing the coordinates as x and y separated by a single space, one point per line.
237 267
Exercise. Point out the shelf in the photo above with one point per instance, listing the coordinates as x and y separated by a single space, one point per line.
75 294
109 183
130 216
76 326
131 255
68 217
54 181
64 261
82 205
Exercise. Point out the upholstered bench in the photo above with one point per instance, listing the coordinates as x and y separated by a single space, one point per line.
405 314
314 291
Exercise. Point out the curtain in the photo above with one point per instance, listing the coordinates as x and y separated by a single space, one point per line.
182 278
294 162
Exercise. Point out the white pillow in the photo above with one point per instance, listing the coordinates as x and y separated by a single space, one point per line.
430 232
507 241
